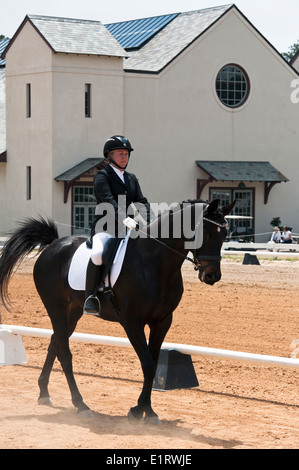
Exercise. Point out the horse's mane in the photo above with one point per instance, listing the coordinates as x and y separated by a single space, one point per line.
165 213
188 201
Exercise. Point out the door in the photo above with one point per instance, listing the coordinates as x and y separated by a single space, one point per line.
239 229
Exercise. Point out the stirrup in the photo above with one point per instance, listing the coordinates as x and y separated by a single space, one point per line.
94 310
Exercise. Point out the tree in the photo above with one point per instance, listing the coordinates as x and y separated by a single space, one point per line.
275 222
291 52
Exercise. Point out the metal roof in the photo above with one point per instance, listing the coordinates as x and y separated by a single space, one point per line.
173 39
135 33
78 170
241 171
3 43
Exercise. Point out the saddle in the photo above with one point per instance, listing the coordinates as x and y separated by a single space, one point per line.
80 260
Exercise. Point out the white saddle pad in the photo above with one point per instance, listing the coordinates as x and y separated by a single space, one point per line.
81 257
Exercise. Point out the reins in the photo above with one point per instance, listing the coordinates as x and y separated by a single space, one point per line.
167 246
194 261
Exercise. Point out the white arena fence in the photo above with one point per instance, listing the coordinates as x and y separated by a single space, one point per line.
267 254
235 248
182 348
270 249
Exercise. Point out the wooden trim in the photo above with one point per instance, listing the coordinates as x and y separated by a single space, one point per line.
67 187
201 183
268 187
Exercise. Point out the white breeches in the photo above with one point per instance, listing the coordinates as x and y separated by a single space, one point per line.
98 242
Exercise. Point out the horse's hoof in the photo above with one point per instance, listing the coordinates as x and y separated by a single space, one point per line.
152 420
134 416
85 414
45 401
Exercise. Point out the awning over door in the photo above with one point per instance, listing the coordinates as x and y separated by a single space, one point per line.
3 157
85 168
241 171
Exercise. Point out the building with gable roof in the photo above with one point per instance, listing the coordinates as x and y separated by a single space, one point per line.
295 61
203 97
3 44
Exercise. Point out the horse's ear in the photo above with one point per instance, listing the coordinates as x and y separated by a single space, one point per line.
212 207
227 209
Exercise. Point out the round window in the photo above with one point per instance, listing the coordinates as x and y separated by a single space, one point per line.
232 86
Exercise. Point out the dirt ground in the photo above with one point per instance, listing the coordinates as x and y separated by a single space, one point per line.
237 405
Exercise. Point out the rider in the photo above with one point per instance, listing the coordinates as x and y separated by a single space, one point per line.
110 183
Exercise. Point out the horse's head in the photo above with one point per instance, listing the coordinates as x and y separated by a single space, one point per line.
208 255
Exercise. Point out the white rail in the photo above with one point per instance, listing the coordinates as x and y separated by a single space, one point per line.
273 250
269 254
183 348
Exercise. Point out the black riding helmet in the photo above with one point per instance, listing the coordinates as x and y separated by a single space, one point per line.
116 142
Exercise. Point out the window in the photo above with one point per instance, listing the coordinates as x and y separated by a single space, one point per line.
28 183
87 100
232 86
224 195
84 204
28 100
84 195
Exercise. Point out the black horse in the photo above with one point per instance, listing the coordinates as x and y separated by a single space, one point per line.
148 290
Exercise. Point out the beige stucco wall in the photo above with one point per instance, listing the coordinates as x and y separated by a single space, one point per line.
29 140
180 120
2 138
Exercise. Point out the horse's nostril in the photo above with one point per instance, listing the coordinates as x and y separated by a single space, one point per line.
211 278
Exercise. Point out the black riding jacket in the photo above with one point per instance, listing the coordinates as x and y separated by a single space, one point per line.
108 186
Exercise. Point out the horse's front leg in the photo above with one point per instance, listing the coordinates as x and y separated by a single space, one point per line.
148 355
135 333
158 331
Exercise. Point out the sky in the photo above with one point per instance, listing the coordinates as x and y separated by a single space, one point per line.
277 20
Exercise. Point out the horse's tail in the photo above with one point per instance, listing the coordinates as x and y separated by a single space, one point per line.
31 234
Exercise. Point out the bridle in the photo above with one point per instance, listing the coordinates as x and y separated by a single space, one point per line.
196 259
215 259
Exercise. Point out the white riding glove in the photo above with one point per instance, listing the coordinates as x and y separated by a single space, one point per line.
131 223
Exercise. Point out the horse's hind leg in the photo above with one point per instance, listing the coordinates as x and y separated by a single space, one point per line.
62 332
43 381
64 322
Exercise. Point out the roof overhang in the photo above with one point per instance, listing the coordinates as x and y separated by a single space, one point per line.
255 172
85 168
3 157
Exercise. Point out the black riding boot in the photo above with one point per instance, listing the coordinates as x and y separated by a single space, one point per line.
93 274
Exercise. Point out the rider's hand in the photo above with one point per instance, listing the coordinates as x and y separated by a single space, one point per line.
131 223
